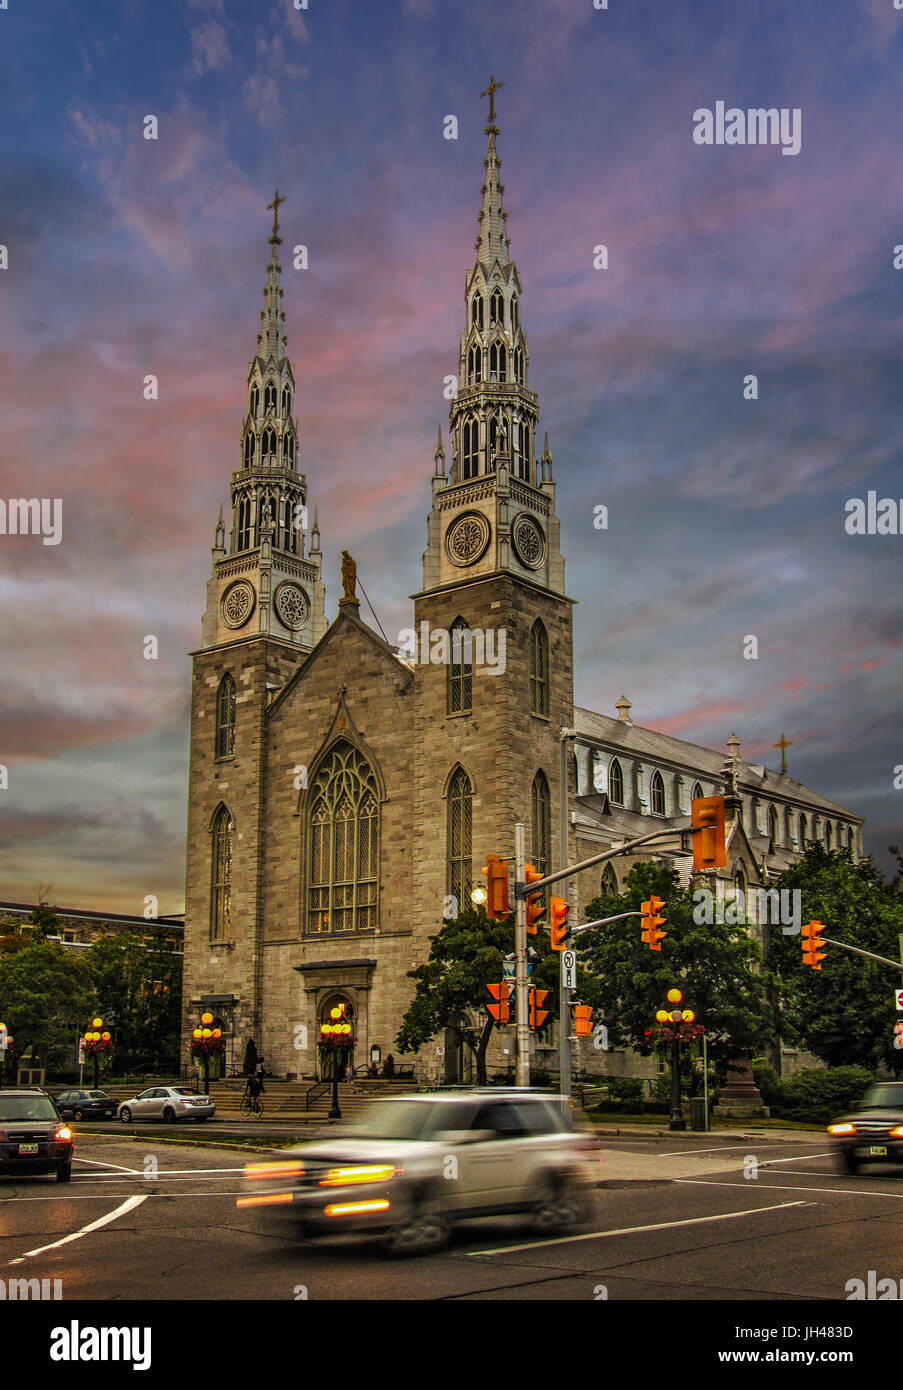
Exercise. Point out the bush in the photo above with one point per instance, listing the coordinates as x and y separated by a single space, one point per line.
626 1091
769 1084
820 1093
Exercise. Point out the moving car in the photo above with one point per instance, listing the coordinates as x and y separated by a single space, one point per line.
33 1137
874 1132
86 1105
413 1165
169 1103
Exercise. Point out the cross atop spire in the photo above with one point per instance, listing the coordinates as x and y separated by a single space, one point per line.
275 206
784 744
490 93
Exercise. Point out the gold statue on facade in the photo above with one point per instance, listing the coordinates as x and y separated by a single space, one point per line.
349 579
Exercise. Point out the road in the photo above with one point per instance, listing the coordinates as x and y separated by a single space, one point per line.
673 1219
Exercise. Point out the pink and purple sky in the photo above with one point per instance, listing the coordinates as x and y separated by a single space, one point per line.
130 257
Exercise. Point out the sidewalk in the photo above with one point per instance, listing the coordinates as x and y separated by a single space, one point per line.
642 1131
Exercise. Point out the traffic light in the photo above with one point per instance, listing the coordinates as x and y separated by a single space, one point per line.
496 872
812 942
583 1015
535 908
538 1014
651 921
709 849
558 922
500 1010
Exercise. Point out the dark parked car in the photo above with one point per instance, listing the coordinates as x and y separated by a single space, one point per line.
33 1137
873 1133
86 1105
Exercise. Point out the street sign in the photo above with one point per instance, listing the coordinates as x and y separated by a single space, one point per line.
898 1000
569 970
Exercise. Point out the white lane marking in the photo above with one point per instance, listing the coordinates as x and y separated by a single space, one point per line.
128 1205
786 1187
716 1148
633 1230
188 1173
97 1163
145 1197
801 1158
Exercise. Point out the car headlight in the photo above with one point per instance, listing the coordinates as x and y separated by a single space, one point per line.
64 1133
845 1128
377 1172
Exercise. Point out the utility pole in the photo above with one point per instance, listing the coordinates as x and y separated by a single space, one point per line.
564 995
521 1012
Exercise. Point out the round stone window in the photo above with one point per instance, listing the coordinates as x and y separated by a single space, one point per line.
529 541
292 606
238 603
467 538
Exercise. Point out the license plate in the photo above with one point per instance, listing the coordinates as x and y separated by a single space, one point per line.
28 1148
879 1150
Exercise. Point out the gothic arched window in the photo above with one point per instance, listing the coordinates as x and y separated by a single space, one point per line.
459 863
460 669
515 314
527 448
657 794
518 430
221 876
542 824
244 539
498 439
470 458
773 836
288 448
269 397
476 310
828 835
539 669
474 365
286 403
804 826
254 402
496 309
519 366
250 441
609 885
697 793
343 844
225 717
615 784
287 532
498 362
268 445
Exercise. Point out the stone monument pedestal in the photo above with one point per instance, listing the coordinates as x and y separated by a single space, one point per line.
740 1097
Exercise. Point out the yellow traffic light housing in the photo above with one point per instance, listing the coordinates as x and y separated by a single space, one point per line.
707 819
558 923
811 943
651 921
535 908
583 1017
496 872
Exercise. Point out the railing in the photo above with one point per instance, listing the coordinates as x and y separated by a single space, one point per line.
314 1092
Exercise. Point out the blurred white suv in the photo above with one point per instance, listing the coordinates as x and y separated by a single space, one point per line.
412 1165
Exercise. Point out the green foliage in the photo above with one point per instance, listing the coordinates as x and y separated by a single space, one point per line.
627 1091
138 995
46 922
818 1093
843 1013
718 968
769 1084
45 994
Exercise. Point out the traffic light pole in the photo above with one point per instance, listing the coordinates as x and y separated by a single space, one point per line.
522 1021
624 848
564 995
885 960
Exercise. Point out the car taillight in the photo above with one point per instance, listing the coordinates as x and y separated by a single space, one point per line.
286 1169
64 1133
845 1128
897 1132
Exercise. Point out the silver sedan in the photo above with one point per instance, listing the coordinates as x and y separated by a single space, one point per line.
167 1103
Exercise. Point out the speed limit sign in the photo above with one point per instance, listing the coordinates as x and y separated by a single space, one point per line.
569 969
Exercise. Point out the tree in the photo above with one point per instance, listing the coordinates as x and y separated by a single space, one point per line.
46 921
843 1013
44 992
717 966
138 995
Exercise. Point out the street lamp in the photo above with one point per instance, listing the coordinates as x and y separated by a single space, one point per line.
336 1034
97 1040
676 1024
206 1041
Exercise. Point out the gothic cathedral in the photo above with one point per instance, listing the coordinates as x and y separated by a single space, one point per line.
342 793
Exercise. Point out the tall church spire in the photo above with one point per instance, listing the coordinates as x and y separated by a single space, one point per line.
271 339
492 243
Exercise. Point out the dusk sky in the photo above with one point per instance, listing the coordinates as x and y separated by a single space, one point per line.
129 257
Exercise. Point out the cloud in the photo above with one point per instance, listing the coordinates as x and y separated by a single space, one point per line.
210 48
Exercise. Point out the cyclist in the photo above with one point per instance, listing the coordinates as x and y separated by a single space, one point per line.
253 1087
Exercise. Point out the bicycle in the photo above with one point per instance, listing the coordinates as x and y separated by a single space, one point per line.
250 1106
